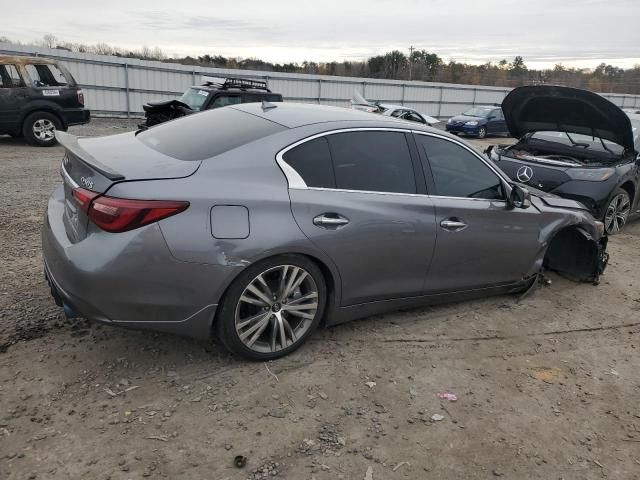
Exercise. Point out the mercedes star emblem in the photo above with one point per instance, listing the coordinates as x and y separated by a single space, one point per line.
524 174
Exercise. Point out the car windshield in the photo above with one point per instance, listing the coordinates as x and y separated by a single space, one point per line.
478 112
577 140
194 98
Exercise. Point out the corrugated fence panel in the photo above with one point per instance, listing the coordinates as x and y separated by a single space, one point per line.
116 86
384 92
340 91
489 97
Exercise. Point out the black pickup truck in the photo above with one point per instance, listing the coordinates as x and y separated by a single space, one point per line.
211 94
37 97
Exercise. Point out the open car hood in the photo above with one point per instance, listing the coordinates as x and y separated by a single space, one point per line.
553 108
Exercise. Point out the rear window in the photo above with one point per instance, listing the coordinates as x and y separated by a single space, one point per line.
46 76
207 134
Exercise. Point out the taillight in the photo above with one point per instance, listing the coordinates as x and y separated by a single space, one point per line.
122 214
81 97
83 198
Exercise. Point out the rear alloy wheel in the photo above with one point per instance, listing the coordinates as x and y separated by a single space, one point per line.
39 129
617 212
482 132
272 308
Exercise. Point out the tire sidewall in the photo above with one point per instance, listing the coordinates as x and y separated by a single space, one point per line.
224 328
27 128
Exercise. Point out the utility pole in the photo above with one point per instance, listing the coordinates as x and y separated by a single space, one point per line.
410 60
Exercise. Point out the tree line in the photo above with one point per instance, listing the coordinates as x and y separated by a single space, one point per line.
419 65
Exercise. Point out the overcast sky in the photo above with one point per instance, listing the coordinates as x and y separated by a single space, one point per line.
575 32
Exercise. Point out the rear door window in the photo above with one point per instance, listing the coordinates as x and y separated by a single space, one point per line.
457 172
9 77
312 161
375 161
46 75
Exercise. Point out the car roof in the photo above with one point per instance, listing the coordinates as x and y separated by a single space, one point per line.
293 115
20 60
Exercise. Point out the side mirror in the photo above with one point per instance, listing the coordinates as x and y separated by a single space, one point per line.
492 117
519 197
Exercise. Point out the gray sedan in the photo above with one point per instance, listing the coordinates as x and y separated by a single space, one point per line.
254 224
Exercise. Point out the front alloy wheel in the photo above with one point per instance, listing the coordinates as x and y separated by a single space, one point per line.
482 132
617 212
275 308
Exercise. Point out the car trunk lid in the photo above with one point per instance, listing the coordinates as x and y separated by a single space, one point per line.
91 166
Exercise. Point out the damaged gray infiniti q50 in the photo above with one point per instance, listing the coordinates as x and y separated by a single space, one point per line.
255 223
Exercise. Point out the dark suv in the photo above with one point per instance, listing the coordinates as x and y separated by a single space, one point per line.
211 94
37 97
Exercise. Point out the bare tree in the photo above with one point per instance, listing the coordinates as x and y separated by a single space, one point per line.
50 41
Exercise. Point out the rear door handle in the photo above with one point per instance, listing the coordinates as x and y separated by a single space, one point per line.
330 220
453 224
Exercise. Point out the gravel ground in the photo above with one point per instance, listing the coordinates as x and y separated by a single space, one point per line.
547 387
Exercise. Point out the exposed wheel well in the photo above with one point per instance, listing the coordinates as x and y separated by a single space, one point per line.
573 253
630 188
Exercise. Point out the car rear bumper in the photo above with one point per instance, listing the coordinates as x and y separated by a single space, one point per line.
129 279
76 116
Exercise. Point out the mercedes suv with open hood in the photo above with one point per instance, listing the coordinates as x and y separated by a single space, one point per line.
575 144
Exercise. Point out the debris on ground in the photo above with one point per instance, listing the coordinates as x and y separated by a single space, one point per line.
395 469
436 417
452 397
267 470
369 474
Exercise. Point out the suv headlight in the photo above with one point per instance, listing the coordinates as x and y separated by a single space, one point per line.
472 123
590 174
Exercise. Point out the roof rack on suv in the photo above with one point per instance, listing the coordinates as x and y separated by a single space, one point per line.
241 83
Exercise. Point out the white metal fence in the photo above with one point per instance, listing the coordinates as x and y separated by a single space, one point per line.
116 86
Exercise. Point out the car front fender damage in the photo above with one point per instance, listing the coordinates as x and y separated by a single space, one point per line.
577 255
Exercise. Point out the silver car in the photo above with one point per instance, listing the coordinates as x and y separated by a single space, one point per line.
254 224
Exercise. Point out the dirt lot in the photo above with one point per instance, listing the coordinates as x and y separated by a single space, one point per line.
547 388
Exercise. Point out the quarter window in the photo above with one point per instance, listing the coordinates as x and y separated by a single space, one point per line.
9 77
457 172
312 161
376 161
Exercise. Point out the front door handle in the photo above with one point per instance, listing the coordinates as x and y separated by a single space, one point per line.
453 224
330 220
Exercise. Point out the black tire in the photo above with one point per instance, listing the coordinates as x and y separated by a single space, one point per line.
225 327
39 129
482 132
617 212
